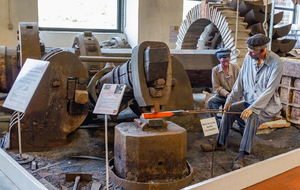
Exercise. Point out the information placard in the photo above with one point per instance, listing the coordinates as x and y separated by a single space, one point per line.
209 126
25 85
110 99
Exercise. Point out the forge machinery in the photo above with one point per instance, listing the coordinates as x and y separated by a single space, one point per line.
154 80
69 88
67 93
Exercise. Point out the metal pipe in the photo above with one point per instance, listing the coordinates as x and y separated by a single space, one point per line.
265 24
103 59
236 22
106 153
271 24
236 52
213 157
19 134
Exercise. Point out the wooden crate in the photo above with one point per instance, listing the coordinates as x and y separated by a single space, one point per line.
290 90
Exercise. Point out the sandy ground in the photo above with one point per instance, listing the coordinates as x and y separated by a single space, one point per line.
90 142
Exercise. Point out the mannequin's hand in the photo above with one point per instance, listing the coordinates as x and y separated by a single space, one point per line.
227 107
246 114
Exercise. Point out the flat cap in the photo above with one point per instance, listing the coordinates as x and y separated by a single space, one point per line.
258 40
223 51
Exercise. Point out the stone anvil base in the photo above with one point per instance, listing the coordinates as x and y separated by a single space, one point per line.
150 155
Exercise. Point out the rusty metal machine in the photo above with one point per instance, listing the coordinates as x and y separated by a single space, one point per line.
161 150
87 44
9 67
59 105
154 81
116 42
69 89
12 58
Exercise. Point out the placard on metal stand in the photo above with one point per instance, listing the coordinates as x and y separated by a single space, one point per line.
108 103
210 127
21 93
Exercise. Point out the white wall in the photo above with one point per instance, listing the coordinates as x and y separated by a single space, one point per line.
131 23
155 19
20 11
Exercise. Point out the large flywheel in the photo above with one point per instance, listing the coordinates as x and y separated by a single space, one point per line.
223 17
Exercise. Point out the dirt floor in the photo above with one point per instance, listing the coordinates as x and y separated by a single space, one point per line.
90 142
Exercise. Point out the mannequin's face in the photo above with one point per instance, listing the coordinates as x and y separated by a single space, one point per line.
225 61
254 54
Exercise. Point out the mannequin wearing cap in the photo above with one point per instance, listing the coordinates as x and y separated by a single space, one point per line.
259 55
224 61
258 82
223 78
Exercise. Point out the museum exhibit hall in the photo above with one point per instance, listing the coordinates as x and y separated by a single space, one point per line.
150 95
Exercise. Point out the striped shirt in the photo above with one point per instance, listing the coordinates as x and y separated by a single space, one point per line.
223 84
259 84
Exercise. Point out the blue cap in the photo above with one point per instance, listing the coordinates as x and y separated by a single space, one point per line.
223 52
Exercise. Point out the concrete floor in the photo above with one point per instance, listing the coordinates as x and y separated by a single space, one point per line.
90 142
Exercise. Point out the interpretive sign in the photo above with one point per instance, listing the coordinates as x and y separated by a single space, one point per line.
25 85
110 99
209 126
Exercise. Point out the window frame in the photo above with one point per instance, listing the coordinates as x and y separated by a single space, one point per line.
287 9
118 30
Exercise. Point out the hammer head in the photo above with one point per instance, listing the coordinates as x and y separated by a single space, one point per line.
83 176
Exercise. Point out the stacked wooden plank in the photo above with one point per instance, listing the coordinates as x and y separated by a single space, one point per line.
290 90
276 122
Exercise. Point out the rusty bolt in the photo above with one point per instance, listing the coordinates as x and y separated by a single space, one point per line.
82 80
81 96
87 34
156 93
91 48
56 84
161 82
174 82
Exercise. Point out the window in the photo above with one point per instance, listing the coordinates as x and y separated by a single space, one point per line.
79 15
289 17
187 6
288 9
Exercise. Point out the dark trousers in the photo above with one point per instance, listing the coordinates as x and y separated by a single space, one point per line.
251 125
214 103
